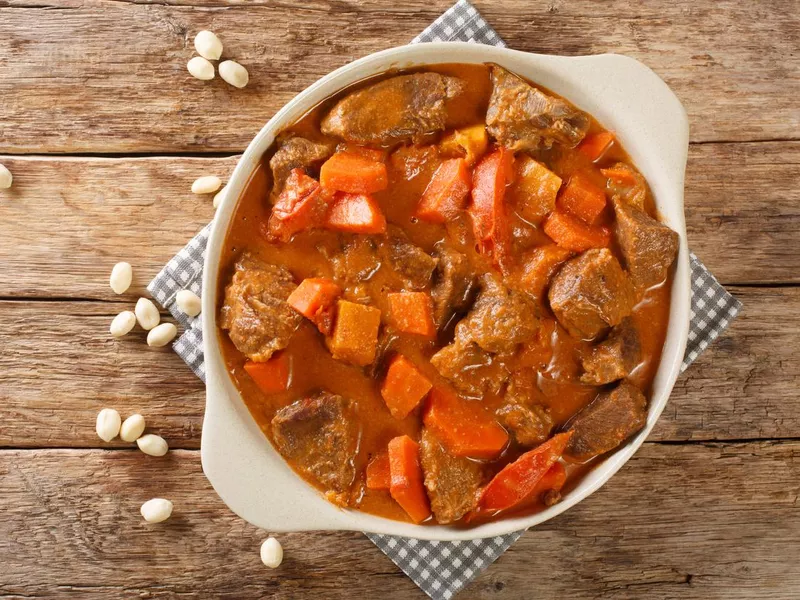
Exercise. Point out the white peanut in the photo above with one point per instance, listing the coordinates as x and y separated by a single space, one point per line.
5 178
156 510
152 445
271 553
188 303
200 68
208 45
132 428
206 184
121 277
219 197
161 335
147 314
233 73
107 425
122 323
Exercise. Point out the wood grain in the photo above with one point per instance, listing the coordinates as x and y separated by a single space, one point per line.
66 221
695 521
59 367
110 76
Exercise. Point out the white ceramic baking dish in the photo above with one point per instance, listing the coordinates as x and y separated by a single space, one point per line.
624 96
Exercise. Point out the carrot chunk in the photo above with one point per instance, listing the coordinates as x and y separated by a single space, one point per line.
406 485
372 154
315 299
595 146
464 427
412 312
573 234
583 199
300 205
355 333
356 213
353 173
272 376
378 475
447 192
517 482
404 387
535 189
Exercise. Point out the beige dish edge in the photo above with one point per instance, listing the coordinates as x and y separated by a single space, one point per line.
624 96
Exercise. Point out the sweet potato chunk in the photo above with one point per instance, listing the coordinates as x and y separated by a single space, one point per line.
355 334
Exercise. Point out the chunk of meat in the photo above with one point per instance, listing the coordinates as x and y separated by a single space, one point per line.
591 293
454 285
500 319
649 247
615 357
609 420
471 370
397 109
452 481
409 261
320 436
522 117
626 182
255 312
528 421
296 153
358 261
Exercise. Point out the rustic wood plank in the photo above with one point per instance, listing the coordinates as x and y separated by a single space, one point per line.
741 209
696 521
111 76
59 366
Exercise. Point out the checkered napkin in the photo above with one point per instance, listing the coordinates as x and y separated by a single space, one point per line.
440 569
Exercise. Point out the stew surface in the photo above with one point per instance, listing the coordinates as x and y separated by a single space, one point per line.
445 293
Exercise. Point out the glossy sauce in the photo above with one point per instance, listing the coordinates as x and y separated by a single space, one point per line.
555 358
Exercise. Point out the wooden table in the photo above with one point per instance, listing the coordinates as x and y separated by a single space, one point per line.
105 131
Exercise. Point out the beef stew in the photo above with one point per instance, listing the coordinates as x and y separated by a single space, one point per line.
444 295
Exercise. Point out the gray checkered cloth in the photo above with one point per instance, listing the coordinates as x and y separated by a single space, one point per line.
440 569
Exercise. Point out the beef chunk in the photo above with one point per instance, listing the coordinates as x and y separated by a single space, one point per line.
615 357
454 285
627 183
522 117
609 420
296 153
452 482
320 436
500 319
591 293
358 261
649 248
410 262
397 109
471 370
521 414
255 312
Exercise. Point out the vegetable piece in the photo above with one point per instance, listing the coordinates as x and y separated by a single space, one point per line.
233 73
583 199
464 427
404 387
271 553
573 234
518 481
353 173
488 211
595 146
469 142
272 376
406 485
373 154
535 189
315 299
356 213
301 205
447 192
355 333
541 266
379 476
627 182
412 312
